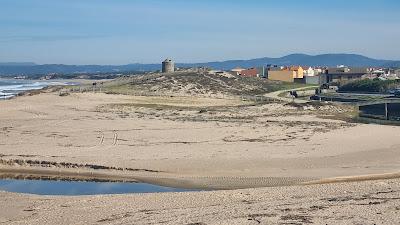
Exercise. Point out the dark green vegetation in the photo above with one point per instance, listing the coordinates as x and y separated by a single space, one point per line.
373 86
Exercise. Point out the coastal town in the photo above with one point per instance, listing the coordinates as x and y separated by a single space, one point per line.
314 75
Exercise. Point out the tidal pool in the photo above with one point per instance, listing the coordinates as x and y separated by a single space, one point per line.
70 188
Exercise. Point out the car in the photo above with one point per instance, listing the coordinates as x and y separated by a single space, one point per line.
394 91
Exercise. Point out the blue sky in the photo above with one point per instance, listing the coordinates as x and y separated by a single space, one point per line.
146 31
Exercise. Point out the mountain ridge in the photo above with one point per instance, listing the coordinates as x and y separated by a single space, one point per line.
330 60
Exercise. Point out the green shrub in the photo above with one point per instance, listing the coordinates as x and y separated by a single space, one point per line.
375 85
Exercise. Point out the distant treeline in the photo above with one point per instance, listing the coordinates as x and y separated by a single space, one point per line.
375 85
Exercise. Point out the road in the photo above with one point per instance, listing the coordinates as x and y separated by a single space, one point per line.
365 94
275 95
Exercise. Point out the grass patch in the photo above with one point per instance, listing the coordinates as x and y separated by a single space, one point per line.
371 86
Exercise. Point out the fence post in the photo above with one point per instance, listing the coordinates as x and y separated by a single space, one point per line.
386 111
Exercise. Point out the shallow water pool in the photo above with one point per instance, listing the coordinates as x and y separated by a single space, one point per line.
70 188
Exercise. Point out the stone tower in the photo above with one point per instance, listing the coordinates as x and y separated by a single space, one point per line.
168 66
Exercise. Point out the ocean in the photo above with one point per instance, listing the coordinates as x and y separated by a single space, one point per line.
11 87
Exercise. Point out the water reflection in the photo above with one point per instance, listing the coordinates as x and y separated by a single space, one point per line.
47 187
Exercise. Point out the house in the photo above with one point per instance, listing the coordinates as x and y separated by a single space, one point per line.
237 71
288 74
342 75
263 72
252 72
215 72
308 71
220 73
318 71
270 68
312 75
299 71
397 72
378 72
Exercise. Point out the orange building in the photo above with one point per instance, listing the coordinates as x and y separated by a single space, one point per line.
287 74
237 71
253 72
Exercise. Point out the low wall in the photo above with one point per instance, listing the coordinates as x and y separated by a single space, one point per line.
377 121
312 80
382 111
334 99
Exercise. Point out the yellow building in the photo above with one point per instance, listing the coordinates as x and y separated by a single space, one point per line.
286 74
299 71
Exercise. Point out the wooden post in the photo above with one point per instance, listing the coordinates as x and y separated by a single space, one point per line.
115 138
386 111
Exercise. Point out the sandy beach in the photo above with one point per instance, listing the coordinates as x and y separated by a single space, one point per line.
171 139
142 112
197 142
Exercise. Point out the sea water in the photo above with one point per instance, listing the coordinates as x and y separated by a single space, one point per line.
11 87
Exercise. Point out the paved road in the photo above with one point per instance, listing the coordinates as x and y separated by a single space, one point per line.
275 95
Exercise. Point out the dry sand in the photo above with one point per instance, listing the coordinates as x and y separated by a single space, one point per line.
195 142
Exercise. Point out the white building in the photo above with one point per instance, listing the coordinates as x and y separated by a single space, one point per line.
318 71
397 72
308 71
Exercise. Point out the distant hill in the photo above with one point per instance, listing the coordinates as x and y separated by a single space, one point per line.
353 60
329 60
393 64
17 64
